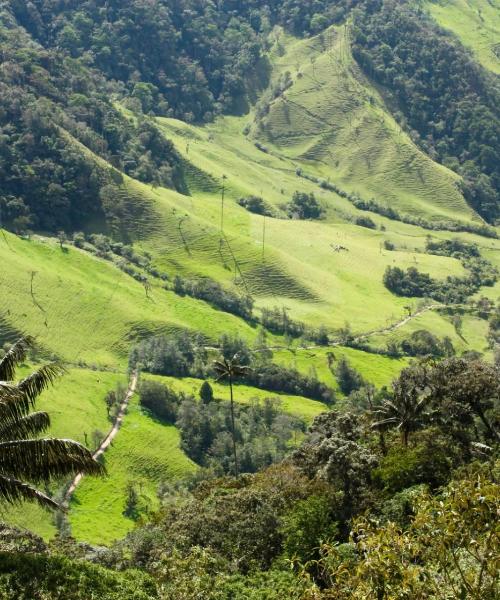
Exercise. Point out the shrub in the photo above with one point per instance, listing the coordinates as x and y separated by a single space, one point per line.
255 204
304 206
161 400
365 222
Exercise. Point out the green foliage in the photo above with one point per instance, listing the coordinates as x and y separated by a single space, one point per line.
366 222
307 526
424 343
213 293
450 550
255 204
161 400
429 462
263 434
25 457
304 206
206 393
348 378
453 290
28 576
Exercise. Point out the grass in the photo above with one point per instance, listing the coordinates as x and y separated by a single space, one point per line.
376 369
331 123
145 453
86 310
76 407
476 23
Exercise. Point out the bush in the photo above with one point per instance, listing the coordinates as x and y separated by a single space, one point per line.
29 576
255 204
290 381
161 400
425 343
304 206
212 292
348 378
365 222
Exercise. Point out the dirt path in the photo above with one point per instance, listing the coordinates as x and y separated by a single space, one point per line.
111 435
400 323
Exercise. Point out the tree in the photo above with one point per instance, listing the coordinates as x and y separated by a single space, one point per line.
230 369
407 410
460 387
206 393
23 456
348 378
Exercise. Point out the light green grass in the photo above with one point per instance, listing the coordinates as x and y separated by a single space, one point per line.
473 334
76 406
375 369
91 311
84 310
476 23
333 122
144 453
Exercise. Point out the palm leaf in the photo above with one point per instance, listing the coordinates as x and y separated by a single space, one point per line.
14 491
14 356
39 460
33 385
26 427
13 404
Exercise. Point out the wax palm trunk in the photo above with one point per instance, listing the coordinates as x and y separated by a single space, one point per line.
231 369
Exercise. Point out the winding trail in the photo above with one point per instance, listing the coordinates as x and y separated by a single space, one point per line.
398 324
111 435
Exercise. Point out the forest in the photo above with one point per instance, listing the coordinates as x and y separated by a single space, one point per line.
393 494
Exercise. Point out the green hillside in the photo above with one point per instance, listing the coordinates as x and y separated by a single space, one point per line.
476 23
331 120
168 189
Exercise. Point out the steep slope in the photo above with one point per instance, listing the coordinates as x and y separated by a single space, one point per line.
331 120
476 23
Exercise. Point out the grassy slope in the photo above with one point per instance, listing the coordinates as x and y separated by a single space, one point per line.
76 406
476 23
145 453
332 121
378 370
297 405
300 269
90 311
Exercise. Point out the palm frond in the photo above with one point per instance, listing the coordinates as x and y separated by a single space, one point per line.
33 385
13 404
40 460
14 356
14 491
26 427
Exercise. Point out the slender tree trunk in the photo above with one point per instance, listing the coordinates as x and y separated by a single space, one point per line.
236 469
405 435
381 441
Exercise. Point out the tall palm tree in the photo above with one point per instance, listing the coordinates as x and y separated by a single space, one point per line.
25 459
231 369
407 410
